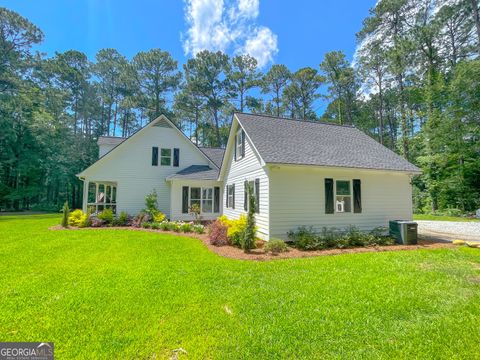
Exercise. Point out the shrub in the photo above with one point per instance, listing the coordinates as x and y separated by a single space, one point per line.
122 220
199 229
165 226
248 239
65 212
158 217
275 246
146 225
175 226
217 233
307 239
77 218
106 215
151 205
235 228
95 221
140 218
186 227
155 225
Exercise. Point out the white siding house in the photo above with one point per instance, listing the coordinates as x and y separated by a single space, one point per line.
302 173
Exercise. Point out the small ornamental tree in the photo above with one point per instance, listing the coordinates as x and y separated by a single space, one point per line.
65 213
151 204
195 212
248 242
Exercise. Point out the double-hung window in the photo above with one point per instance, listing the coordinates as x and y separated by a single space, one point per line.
203 197
239 145
230 196
166 157
207 200
343 196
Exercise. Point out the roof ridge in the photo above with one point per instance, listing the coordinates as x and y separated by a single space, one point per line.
294 119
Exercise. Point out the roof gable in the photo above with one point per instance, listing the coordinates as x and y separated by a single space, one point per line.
161 121
289 141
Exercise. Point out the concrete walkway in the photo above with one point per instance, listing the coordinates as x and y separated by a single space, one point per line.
449 230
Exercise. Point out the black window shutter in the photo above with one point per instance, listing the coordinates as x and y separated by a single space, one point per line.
176 157
233 200
216 199
357 196
243 143
257 196
235 148
185 199
154 156
245 195
329 196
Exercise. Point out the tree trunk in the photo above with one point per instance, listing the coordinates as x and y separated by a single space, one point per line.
217 128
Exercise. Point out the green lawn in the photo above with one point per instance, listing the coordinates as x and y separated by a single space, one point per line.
104 294
442 218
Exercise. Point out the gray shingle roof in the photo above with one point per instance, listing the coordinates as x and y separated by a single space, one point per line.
214 154
289 141
196 172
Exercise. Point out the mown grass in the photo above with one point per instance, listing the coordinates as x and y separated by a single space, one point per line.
104 294
442 218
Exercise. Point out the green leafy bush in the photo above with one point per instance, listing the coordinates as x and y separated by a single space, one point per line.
165 226
306 238
106 215
122 220
155 225
146 225
199 229
77 218
186 227
275 246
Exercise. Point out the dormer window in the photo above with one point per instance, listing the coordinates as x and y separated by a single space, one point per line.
166 157
239 145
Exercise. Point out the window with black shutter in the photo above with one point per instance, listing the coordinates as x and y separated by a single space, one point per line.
155 156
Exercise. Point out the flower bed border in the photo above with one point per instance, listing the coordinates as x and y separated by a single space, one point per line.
258 254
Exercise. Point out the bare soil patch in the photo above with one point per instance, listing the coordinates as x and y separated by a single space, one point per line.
259 254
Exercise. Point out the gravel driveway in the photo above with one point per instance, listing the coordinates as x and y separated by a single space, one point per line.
449 230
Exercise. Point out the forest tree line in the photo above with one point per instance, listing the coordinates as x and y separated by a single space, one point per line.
414 86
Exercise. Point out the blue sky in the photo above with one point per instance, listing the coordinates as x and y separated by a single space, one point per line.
295 33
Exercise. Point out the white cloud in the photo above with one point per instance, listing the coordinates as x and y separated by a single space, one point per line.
249 8
228 26
262 46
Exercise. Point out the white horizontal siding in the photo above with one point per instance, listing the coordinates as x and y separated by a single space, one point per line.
297 196
248 168
176 199
130 165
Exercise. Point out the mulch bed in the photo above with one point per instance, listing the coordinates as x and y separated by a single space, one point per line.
259 254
